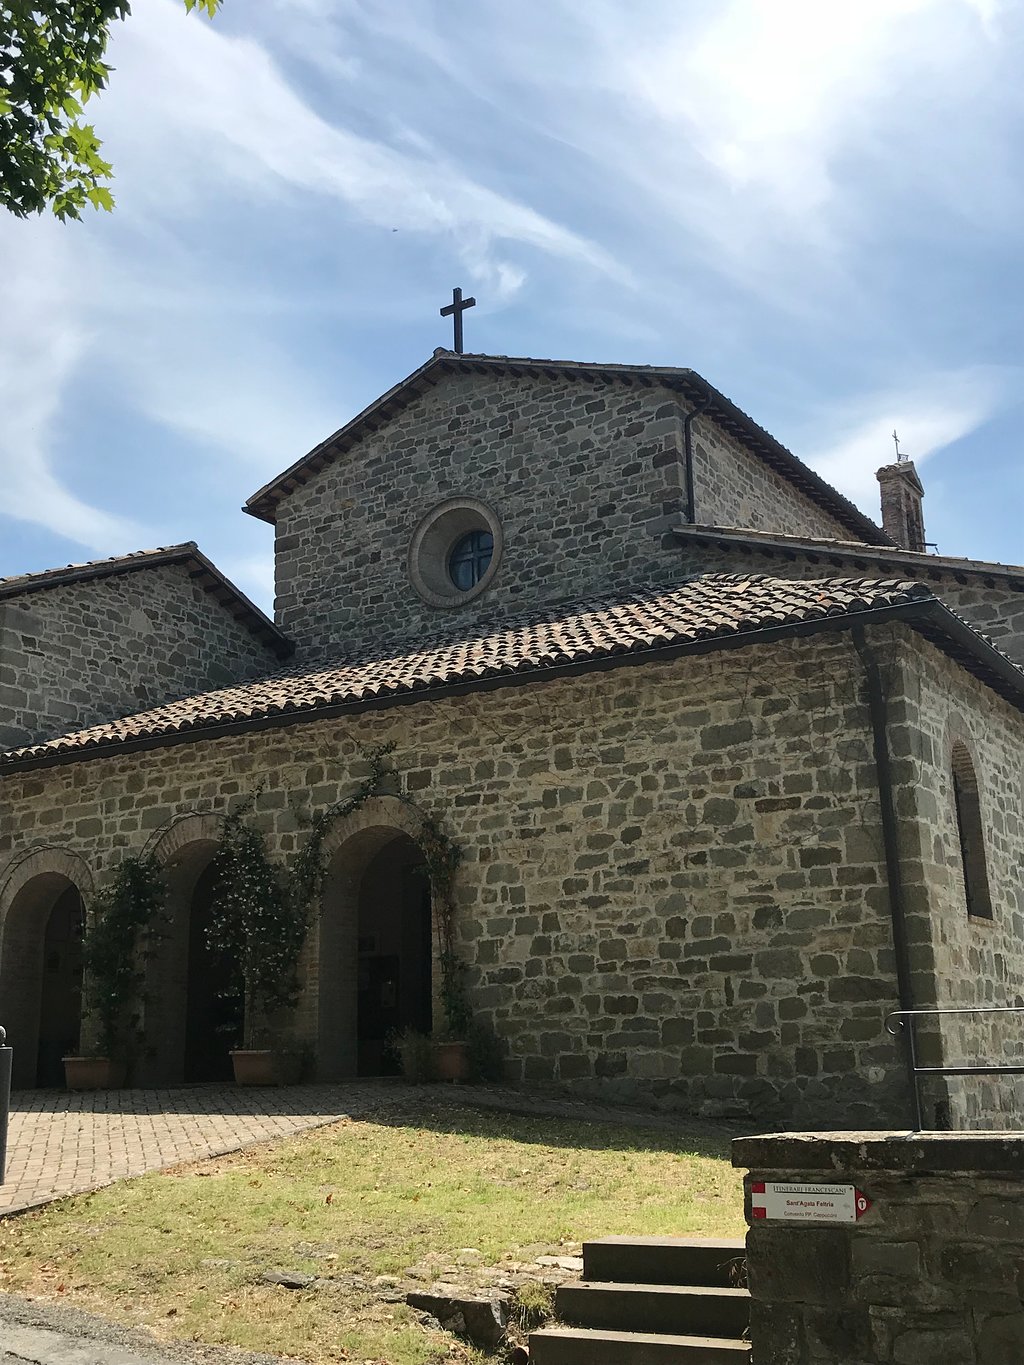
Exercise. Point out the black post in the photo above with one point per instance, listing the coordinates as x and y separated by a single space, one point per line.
6 1055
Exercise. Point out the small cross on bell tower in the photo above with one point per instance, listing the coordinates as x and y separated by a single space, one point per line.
455 309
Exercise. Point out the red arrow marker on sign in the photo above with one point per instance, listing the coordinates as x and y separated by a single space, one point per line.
807 1203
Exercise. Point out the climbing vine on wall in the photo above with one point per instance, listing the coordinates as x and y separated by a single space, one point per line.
440 855
260 910
256 927
125 919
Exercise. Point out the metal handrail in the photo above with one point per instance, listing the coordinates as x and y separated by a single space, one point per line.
904 1019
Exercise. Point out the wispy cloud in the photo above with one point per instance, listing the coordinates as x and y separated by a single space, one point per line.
928 415
221 111
42 340
817 205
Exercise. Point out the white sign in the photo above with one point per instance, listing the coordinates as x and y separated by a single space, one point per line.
807 1203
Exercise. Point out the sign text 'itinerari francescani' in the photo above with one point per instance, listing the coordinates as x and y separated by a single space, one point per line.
807 1203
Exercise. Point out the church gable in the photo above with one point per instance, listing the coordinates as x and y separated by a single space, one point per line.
576 486
571 476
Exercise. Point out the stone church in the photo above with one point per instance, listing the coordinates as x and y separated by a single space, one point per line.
734 771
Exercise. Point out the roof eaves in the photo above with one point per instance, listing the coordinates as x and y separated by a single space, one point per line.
520 676
961 642
24 584
838 552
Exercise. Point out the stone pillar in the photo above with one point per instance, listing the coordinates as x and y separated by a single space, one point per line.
902 515
931 1274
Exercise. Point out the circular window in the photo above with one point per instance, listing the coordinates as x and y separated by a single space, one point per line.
455 552
470 559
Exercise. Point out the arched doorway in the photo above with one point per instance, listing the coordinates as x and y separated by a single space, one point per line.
375 954
41 977
213 1020
190 1027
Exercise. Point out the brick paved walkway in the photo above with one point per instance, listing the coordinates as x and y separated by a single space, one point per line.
66 1143
60 1143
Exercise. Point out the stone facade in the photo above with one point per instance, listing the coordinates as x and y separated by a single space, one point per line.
85 652
963 960
733 487
586 479
930 1275
672 882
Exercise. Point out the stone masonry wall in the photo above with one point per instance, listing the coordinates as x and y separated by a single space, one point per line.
971 960
586 479
732 487
88 652
930 1275
672 881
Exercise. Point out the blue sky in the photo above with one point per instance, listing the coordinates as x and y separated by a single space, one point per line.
818 206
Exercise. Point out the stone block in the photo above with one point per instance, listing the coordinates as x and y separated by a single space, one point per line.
805 1265
1000 1219
1001 1339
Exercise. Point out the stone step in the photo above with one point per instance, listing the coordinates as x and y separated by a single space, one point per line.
585 1346
665 1260
703 1310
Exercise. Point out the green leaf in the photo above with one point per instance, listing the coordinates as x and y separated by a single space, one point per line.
51 62
100 197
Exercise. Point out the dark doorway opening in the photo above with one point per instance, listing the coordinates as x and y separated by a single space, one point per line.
41 979
213 1020
394 953
60 1013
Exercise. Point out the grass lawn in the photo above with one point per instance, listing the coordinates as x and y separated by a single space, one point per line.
183 1251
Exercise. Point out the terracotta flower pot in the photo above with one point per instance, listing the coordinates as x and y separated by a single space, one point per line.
265 1066
451 1061
94 1073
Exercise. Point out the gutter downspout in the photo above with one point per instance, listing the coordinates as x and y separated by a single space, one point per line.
878 710
691 496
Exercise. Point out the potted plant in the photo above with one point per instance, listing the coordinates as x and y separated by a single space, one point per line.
451 1045
123 920
258 927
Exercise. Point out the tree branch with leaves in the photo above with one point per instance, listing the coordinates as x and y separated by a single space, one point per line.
51 64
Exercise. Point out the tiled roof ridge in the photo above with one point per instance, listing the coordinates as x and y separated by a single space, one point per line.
201 568
707 611
850 549
15 584
729 415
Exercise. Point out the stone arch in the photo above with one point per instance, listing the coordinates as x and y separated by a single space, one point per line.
332 996
185 847
167 843
35 886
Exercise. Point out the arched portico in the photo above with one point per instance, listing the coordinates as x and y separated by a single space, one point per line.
374 947
189 1025
41 921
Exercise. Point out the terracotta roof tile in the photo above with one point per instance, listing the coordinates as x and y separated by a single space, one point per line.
708 608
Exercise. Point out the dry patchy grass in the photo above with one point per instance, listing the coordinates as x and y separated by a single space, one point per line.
183 1251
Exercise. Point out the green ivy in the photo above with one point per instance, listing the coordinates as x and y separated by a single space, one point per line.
255 926
125 919
261 910
441 857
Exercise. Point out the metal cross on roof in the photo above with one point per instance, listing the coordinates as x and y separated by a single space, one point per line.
900 457
456 309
